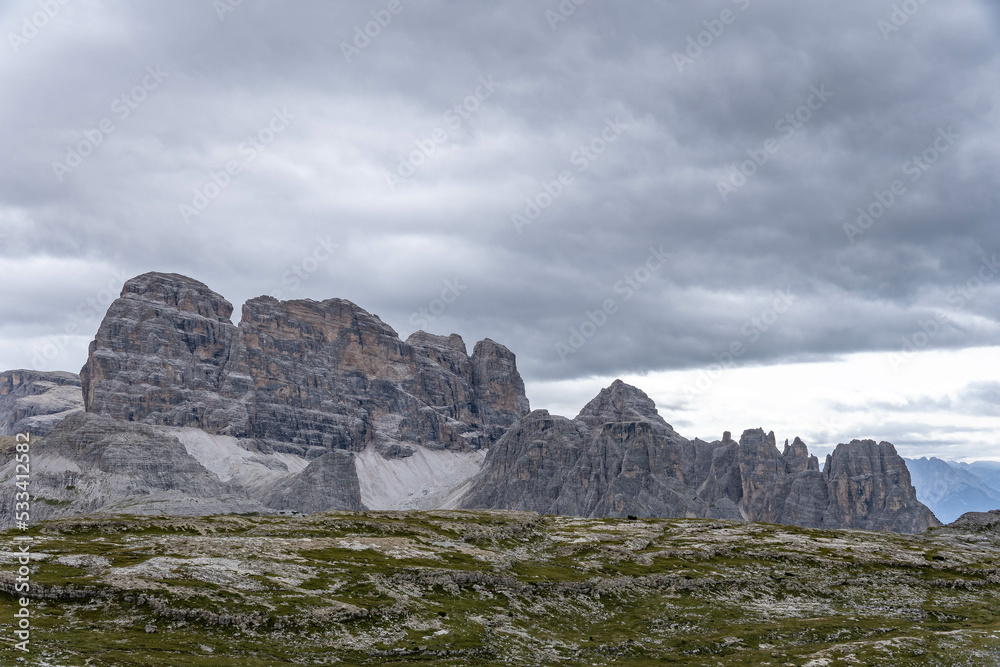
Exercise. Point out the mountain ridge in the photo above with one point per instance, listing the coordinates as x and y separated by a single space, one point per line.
951 490
619 458
319 405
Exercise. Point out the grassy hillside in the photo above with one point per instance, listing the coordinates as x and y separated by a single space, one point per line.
457 588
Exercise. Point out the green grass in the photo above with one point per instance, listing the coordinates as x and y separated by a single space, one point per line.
687 592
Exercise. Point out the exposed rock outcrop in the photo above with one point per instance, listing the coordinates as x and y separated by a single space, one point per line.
35 401
869 488
618 457
327 482
159 354
274 409
977 522
528 468
497 387
302 375
314 405
91 463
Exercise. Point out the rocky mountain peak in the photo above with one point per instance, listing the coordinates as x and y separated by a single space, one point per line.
449 352
301 374
870 488
159 352
180 292
622 402
618 457
756 440
862 458
797 457
497 385
797 449
444 344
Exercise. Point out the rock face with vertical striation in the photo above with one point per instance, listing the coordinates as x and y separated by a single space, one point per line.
618 457
528 468
869 488
160 353
327 482
285 399
755 477
303 376
498 387
313 405
35 401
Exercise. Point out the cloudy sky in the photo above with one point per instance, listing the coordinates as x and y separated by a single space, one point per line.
777 214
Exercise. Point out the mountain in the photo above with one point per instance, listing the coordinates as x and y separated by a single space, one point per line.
306 406
302 406
303 376
35 401
618 458
987 471
951 490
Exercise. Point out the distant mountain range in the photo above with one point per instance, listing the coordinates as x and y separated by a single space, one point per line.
951 489
988 471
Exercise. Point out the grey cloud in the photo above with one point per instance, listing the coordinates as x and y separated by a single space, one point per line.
655 185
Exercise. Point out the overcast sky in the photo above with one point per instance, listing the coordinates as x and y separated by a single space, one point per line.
609 189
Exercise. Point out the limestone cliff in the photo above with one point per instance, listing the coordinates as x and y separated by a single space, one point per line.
304 376
93 463
35 401
869 487
618 457
308 405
